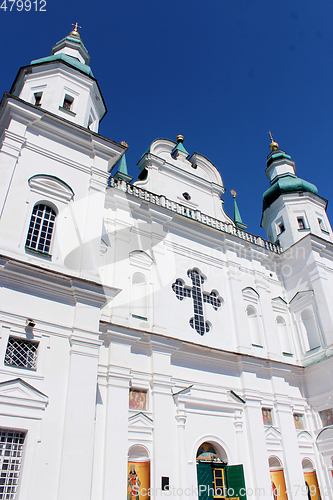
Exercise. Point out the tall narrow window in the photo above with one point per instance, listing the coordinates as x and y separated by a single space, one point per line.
68 101
139 298
11 450
38 98
301 223
283 335
253 323
41 229
322 225
308 323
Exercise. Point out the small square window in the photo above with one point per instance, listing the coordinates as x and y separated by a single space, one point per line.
267 416
281 228
38 98
21 353
68 101
137 399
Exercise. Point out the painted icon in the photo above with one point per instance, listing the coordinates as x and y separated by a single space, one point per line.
267 416
137 399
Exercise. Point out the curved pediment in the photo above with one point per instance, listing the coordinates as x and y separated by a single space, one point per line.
250 294
140 259
51 186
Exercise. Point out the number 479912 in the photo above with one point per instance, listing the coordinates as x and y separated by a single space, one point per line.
19 5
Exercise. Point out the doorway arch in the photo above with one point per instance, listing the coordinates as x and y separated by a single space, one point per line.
216 479
138 473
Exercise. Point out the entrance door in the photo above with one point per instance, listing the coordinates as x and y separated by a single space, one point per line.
220 481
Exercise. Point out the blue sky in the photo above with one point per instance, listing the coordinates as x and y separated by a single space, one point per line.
220 72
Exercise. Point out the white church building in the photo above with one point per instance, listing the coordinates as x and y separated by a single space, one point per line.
150 346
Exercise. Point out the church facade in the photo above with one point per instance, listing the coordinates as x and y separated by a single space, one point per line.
150 346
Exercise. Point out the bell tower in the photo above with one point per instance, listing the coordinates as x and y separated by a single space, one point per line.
54 166
63 83
292 207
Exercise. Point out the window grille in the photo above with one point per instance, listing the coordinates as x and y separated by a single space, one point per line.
41 228
21 353
11 449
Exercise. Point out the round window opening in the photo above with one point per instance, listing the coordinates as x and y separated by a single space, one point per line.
186 196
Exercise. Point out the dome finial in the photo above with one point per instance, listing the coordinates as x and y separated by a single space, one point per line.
233 192
273 145
75 31
180 138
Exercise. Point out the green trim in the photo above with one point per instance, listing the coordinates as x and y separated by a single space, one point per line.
72 38
53 177
44 254
146 152
66 58
277 155
181 148
65 110
286 184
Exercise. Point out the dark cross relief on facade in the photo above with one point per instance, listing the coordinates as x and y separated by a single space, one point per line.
182 291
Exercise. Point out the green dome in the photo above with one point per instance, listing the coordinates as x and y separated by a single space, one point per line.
286 185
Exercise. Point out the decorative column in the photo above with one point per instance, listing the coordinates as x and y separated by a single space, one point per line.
164 411
261 483
13 141
292 459
116 433
183 479
238 323
78 435
116 421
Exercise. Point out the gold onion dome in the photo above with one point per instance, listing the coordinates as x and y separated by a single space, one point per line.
273 145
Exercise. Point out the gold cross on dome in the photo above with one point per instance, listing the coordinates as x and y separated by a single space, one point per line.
270 133
76 26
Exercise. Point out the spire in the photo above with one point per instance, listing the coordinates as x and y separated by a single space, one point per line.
122 172
179 148
237 216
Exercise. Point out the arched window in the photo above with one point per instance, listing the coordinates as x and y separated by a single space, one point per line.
311 481
311 330
139 299
277 479
283 335
138 472
253 322
41 228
